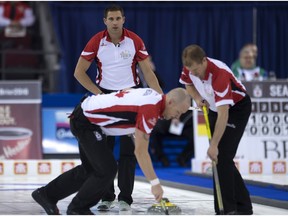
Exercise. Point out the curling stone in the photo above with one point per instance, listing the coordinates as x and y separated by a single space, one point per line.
157 209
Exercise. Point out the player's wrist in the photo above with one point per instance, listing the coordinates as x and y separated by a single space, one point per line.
155 182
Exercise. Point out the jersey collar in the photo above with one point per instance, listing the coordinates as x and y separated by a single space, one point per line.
124 32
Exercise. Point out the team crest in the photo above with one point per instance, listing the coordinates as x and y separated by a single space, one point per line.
147 92
257 91
125 54
98 136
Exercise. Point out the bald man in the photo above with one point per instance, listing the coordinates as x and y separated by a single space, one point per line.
132 111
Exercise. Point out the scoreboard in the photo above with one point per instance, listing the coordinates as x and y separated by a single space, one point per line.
269 109
265 140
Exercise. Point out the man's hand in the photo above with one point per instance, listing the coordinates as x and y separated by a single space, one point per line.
157 191
213 152
201 102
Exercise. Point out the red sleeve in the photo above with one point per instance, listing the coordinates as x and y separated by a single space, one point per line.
91 49
222 86
141 52
147 118
185 78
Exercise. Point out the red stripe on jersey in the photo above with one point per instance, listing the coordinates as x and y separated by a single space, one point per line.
140 108
116 108
185 78
92 47
139 46
97 120
148 111
223 78
99 76
121 126
135 76
237 97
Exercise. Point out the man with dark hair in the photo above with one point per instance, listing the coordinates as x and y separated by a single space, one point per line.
211 83
116 52
127 112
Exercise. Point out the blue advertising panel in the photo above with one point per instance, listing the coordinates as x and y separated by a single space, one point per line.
57 137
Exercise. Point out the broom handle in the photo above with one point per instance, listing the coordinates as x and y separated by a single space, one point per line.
214 166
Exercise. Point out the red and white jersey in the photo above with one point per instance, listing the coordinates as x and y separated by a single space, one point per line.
116 64
119 113
219 86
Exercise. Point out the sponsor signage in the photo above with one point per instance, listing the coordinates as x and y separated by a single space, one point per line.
20 117
57 136
255 167
20 168
65 166
279 167
44 168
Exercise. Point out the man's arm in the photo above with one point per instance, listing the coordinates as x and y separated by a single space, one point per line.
144 160
149 75
80 74
220 127
192 91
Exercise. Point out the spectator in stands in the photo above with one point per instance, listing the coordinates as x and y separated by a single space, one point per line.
16 32
246 69
15 16
161 131
253 48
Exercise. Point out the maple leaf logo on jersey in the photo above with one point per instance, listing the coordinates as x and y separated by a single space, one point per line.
121 94
125 54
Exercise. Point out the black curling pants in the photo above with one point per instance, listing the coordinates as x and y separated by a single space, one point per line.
235 195
126 167
126 170
92 178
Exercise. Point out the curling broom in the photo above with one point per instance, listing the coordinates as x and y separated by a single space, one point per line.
214 167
